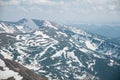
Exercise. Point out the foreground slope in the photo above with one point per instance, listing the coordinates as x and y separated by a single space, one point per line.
59 52
10 70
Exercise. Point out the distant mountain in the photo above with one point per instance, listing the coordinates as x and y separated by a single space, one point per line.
108 30
60 52
116 40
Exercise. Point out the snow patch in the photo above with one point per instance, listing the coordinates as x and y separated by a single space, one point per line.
8 29
48 24
90 45
59 53
109 53
6 54
78 77
91 64
2 64
111 63
41 33
97 56
21 28
32 67
83 50
75 58
62 34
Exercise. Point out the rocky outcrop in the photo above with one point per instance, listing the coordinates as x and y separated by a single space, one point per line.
23 71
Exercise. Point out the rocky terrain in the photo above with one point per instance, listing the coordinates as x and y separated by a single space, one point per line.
10 70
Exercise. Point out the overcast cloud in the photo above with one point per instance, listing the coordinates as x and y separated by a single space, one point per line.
62 11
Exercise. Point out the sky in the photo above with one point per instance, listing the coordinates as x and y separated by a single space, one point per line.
62 11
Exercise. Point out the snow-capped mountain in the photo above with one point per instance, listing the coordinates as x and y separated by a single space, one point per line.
59 52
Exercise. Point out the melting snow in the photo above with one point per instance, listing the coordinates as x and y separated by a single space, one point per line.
59 53
75 58
62 34
78 77
111 62
21 28
90 45
97 56
90 65
83 50
41 33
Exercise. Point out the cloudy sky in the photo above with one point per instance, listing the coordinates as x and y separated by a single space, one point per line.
62 11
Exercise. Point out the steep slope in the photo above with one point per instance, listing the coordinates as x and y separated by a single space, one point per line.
10 70
22 26
60 52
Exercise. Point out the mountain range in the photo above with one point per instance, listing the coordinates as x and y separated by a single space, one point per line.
110 30
59 52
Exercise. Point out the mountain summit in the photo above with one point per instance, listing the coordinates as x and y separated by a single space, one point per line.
59 52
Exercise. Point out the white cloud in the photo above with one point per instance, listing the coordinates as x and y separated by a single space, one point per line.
97 8
26 2
38 2
90 1
111 7
64 5
29 2
98 1
11 2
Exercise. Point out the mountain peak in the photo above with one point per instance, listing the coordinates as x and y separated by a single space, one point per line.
24 20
